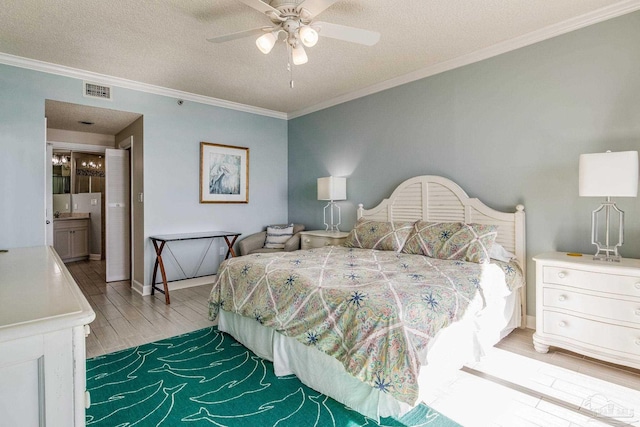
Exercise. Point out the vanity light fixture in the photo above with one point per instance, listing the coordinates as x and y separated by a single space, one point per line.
60 160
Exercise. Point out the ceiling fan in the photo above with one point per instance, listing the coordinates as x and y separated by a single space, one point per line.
295 20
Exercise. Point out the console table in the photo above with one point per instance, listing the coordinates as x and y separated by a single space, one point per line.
160 241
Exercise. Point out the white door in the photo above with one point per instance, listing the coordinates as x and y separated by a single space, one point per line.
48 209
127 144
48 188
118 254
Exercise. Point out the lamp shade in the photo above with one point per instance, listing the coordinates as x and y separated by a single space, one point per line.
266 42
609 174
332 188
298 55
308 36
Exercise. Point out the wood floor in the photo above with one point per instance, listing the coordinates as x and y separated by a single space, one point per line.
126 319
512 386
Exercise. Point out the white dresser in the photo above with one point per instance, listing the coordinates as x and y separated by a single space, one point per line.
42 340
589 307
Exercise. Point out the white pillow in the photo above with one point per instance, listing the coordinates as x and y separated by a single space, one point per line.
500 253
277 236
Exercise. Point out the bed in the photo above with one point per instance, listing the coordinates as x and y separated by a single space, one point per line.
379 326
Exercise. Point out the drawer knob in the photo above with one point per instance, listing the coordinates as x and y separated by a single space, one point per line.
562 274
562 323
637 312
638 342
637 285
307 240
562 298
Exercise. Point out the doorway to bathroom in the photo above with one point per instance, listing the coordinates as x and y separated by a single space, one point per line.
91 183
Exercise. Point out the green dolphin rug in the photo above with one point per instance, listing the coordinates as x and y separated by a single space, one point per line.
206 378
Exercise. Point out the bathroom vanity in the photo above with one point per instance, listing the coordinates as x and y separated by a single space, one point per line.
71 236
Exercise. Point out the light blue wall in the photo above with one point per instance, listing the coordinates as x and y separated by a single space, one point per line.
172 136
509 130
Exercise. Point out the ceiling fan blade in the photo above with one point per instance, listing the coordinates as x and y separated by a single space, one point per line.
350 34
314 7
261 6
239 35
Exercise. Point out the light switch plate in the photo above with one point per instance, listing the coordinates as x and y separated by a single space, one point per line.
94 202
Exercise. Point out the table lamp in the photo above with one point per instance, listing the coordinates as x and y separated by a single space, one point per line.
332 188
608 175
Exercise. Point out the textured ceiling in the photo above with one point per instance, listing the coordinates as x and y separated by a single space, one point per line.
162 42
66 116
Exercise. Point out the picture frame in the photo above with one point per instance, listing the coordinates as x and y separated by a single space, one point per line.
224 173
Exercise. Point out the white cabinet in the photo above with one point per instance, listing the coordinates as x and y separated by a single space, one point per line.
589 307
319 238
43 318
71 238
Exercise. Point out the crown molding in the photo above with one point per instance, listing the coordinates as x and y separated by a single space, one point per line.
61 70
597 16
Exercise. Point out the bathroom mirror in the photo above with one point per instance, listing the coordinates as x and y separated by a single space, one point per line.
76 172
61 172
89 173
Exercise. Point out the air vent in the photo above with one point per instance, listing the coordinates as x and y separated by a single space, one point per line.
94 90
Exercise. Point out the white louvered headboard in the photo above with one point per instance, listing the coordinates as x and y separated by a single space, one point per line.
438 199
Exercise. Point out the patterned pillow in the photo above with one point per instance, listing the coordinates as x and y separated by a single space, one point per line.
381 235
277 236
452 240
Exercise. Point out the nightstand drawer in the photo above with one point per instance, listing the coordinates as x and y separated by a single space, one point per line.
309 242
602 282
607 308
592 333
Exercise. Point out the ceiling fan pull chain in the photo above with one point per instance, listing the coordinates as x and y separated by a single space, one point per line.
289 67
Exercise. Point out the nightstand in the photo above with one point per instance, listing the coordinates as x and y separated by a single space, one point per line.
589 307
319 238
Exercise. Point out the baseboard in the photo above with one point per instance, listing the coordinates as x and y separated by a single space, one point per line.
140 288
531 322
95 257
179 284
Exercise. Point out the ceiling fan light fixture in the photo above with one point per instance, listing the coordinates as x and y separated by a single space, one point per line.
266 42
308 36
298 55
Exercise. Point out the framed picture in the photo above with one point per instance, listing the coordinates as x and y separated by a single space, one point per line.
224 173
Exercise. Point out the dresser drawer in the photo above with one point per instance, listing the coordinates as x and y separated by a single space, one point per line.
592 333
309 242
602 282
607 308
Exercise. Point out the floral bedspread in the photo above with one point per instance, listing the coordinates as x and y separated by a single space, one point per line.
374 311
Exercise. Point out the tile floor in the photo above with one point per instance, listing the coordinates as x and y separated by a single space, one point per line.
125 319
512 386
